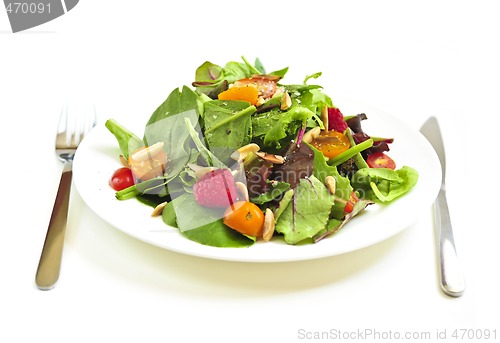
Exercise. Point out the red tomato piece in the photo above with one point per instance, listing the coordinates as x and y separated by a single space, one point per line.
122 178
349 206
380 160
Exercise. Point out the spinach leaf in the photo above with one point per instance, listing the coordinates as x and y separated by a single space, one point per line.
307 213
201 224
127 140
382 184
227 126
234 71
210 159
258 68
167 124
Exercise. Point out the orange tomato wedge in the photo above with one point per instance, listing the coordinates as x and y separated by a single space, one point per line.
245 217
248 93
331 143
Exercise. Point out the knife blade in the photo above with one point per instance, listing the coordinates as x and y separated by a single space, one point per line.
451 275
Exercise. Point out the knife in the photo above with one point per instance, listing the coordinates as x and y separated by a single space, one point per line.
450 270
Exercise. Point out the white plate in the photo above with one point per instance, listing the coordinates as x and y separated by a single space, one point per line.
97 158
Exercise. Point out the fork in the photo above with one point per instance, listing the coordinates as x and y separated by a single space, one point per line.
74 124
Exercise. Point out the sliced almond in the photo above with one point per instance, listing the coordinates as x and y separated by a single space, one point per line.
324 117
260 101
241 190
279 91
268 230
242 153
276 159
158 210
311 134
200 171
286 102
123 161
330 183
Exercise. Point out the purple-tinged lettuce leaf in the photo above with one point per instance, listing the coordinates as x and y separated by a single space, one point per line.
299 164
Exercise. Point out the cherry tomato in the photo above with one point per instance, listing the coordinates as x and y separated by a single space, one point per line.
122 178
380 160
245 217
331 143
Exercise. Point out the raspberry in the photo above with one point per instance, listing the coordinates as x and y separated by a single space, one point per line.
215 189
336 120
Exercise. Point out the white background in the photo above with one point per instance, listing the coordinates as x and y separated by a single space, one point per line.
411 58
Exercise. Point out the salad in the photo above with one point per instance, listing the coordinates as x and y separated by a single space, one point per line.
240 156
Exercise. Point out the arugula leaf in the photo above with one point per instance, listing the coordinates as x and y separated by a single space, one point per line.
314 99
273 126
312 76
307 213
300 88
382 184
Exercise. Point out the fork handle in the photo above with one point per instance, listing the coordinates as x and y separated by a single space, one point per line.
450 270
49 265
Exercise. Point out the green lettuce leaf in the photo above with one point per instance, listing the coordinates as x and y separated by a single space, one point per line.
307 213
335 225
382 184
343 187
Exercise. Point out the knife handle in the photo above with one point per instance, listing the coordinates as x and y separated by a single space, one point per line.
450 269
